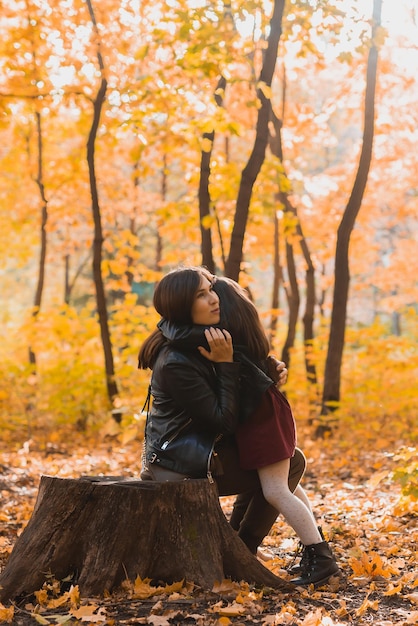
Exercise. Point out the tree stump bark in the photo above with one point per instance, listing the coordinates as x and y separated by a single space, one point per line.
99 531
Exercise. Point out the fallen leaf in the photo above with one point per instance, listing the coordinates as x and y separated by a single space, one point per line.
226 586
412 597
158 620
41 597
142 589
392 590
6 613
60 619
87 613
232 610
372 565
366 605
377 477
314 618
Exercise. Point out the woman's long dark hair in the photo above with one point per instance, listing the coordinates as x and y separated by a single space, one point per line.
173 300
239 315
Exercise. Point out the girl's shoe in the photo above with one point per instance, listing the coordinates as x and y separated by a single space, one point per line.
299 567
318 567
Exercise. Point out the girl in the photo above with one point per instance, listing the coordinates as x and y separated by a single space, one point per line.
267 439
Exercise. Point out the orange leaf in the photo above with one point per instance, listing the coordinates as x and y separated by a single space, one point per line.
41 596
367 604
371 564
232 610
413 597
87 613
392 590
314 618
6 614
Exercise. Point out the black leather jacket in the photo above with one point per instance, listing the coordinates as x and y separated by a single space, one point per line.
254 378
194 402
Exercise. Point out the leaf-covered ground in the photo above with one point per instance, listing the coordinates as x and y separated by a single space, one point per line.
372 530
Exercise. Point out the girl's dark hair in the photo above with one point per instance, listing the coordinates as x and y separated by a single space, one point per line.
173 300
239 315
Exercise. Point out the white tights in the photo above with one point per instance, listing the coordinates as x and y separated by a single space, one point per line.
294 507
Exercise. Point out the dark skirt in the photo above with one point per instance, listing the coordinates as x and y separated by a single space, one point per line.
269 435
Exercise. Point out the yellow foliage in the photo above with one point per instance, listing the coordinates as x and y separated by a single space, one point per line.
142 589
206 145
366 605
231 610
372 565
41 597
393 589
265 89
314 618
208 221
90 613
227 586
6 613
71 597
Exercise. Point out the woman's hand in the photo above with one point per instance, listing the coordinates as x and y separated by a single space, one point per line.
220 346
277 370
282 373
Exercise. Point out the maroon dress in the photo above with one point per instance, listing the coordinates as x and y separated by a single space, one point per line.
269 435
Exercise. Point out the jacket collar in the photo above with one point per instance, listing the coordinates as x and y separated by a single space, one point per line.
184 336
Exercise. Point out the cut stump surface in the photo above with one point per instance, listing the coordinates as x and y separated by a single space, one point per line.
99 531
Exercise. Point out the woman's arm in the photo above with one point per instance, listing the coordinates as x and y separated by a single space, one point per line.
210 399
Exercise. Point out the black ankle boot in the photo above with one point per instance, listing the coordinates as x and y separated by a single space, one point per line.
319 566
297 569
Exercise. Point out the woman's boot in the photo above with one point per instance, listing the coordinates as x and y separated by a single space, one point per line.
297 569
319 565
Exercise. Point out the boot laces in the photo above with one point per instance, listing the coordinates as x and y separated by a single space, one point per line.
302 552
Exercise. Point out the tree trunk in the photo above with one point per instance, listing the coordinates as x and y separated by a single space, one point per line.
44 219
293 302
332 378
276 148
277 275
252 169
111 385
204 195
98 531
308 316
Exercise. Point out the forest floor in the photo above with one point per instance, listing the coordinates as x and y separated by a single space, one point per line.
372 530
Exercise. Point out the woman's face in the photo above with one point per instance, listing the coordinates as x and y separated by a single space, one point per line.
205 308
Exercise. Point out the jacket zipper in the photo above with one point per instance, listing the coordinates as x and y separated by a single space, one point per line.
208 472
176 434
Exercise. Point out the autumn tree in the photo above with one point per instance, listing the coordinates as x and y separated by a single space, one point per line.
111 384
332 380
32 94
205 207
162 122
252 168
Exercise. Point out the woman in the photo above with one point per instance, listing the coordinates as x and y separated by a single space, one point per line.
267 439
195 397
195 405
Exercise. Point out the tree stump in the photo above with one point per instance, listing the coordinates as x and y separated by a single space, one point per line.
98 531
